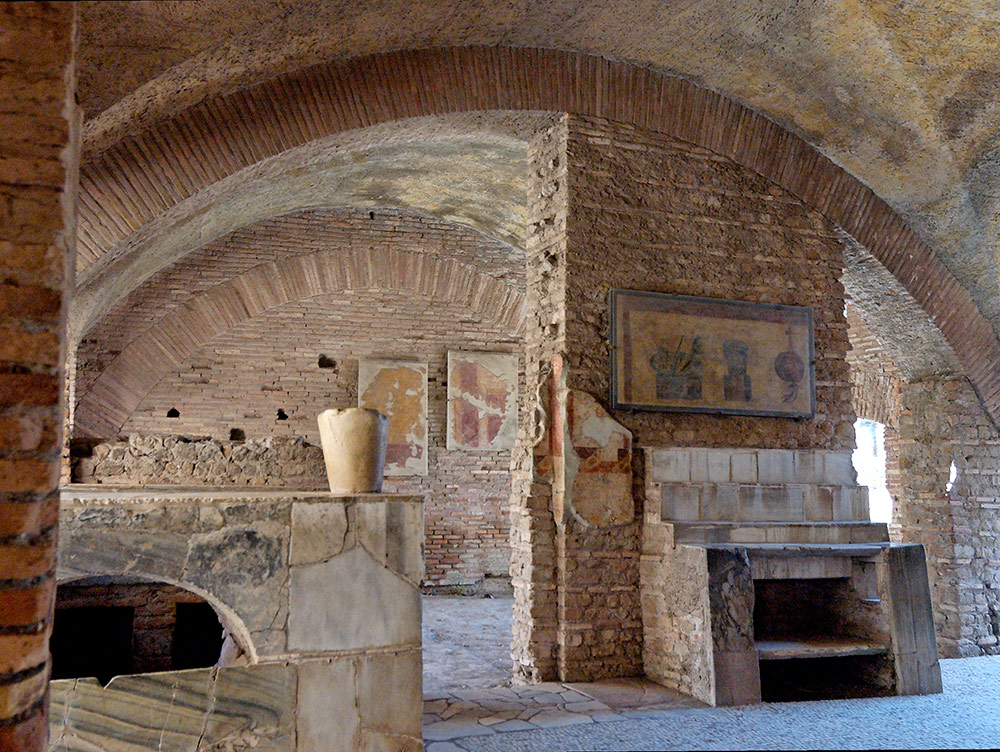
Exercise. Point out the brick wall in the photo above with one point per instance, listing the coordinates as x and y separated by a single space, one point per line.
276 239
38 154
533 533
653 213
876 379
648 212
242 378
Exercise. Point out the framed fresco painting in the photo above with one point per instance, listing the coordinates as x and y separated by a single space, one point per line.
689 354
398 390
482 401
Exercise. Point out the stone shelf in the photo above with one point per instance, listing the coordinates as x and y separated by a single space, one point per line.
781 533
817 647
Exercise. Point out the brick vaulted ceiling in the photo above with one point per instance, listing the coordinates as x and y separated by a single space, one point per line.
903 98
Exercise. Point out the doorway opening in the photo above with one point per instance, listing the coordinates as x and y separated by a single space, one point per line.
869 463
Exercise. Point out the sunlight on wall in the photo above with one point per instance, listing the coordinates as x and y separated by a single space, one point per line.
869 462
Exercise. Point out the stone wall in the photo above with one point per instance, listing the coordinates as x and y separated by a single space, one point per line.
941 422
170 460
648 212
319 592
38 142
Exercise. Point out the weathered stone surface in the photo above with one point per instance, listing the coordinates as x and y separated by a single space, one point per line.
319 530
233 548
326 710
398 712
349 602
466 495
676 618
231 708
731 605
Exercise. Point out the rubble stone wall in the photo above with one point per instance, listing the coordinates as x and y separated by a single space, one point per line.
941 422
649 212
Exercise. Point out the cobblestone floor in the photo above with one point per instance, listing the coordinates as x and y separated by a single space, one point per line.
468 706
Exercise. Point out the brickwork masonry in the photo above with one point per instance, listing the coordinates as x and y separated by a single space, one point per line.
269 377
39 126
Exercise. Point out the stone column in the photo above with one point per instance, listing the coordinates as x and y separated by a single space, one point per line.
39 147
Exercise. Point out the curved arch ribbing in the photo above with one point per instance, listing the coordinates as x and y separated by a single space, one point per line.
120 388
131 182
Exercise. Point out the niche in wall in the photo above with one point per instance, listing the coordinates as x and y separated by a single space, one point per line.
106 627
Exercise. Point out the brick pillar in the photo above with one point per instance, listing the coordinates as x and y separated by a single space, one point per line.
532 525
38 159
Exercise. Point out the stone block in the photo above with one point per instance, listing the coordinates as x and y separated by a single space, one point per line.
368 523
390 692
748 534
717 464
737 678
781 503
680 502
404 539
699 465
328 716
743 467
838 469
670 465
318 531
859 503
775 466
818 504
751 508
808 466
351 602
842 507
720 502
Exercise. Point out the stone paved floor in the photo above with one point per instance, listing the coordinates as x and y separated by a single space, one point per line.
469 708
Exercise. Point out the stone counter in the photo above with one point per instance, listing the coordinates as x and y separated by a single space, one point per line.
327 585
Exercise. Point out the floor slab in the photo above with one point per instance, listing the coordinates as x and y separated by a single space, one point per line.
470 707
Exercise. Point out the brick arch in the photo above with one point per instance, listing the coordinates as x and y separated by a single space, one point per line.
115 394
134 180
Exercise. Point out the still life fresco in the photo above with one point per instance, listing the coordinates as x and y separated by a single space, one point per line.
677 352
